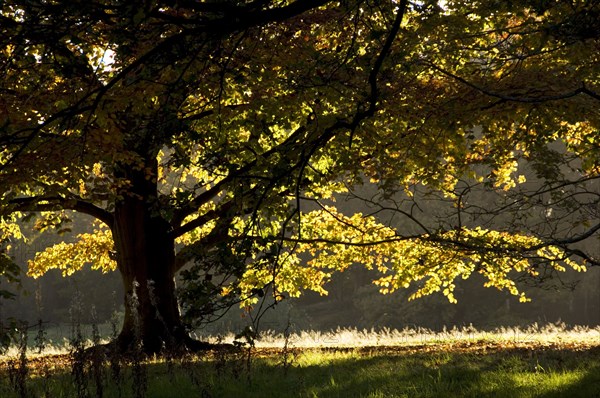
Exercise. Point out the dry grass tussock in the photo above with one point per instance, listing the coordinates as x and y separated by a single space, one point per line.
535 334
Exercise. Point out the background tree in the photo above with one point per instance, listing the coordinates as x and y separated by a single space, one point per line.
197 133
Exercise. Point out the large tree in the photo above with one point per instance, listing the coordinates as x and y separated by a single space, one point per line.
196 133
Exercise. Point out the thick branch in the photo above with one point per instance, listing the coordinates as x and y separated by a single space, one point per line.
237 18
206 196
219 234
510 98
376 70
578 238
202 220
56 203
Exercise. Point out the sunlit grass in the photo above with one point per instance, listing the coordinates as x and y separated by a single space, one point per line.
539 361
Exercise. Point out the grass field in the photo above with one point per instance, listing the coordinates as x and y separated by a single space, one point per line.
536 362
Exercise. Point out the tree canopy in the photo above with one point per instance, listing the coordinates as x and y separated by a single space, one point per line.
215 138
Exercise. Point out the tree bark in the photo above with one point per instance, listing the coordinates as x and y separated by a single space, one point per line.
146 260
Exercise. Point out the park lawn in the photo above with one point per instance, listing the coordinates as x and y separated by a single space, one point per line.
475 369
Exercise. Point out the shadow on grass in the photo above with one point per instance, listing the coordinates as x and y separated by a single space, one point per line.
506 373
587 386
510 373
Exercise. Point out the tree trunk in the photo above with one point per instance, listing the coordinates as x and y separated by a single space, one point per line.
146 261
145 258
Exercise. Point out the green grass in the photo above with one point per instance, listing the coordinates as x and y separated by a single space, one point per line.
469 370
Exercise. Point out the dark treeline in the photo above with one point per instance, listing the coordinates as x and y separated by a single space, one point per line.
353 301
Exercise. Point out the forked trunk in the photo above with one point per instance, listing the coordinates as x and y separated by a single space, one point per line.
145 258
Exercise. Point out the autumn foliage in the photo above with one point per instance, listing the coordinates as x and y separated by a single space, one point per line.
212 140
